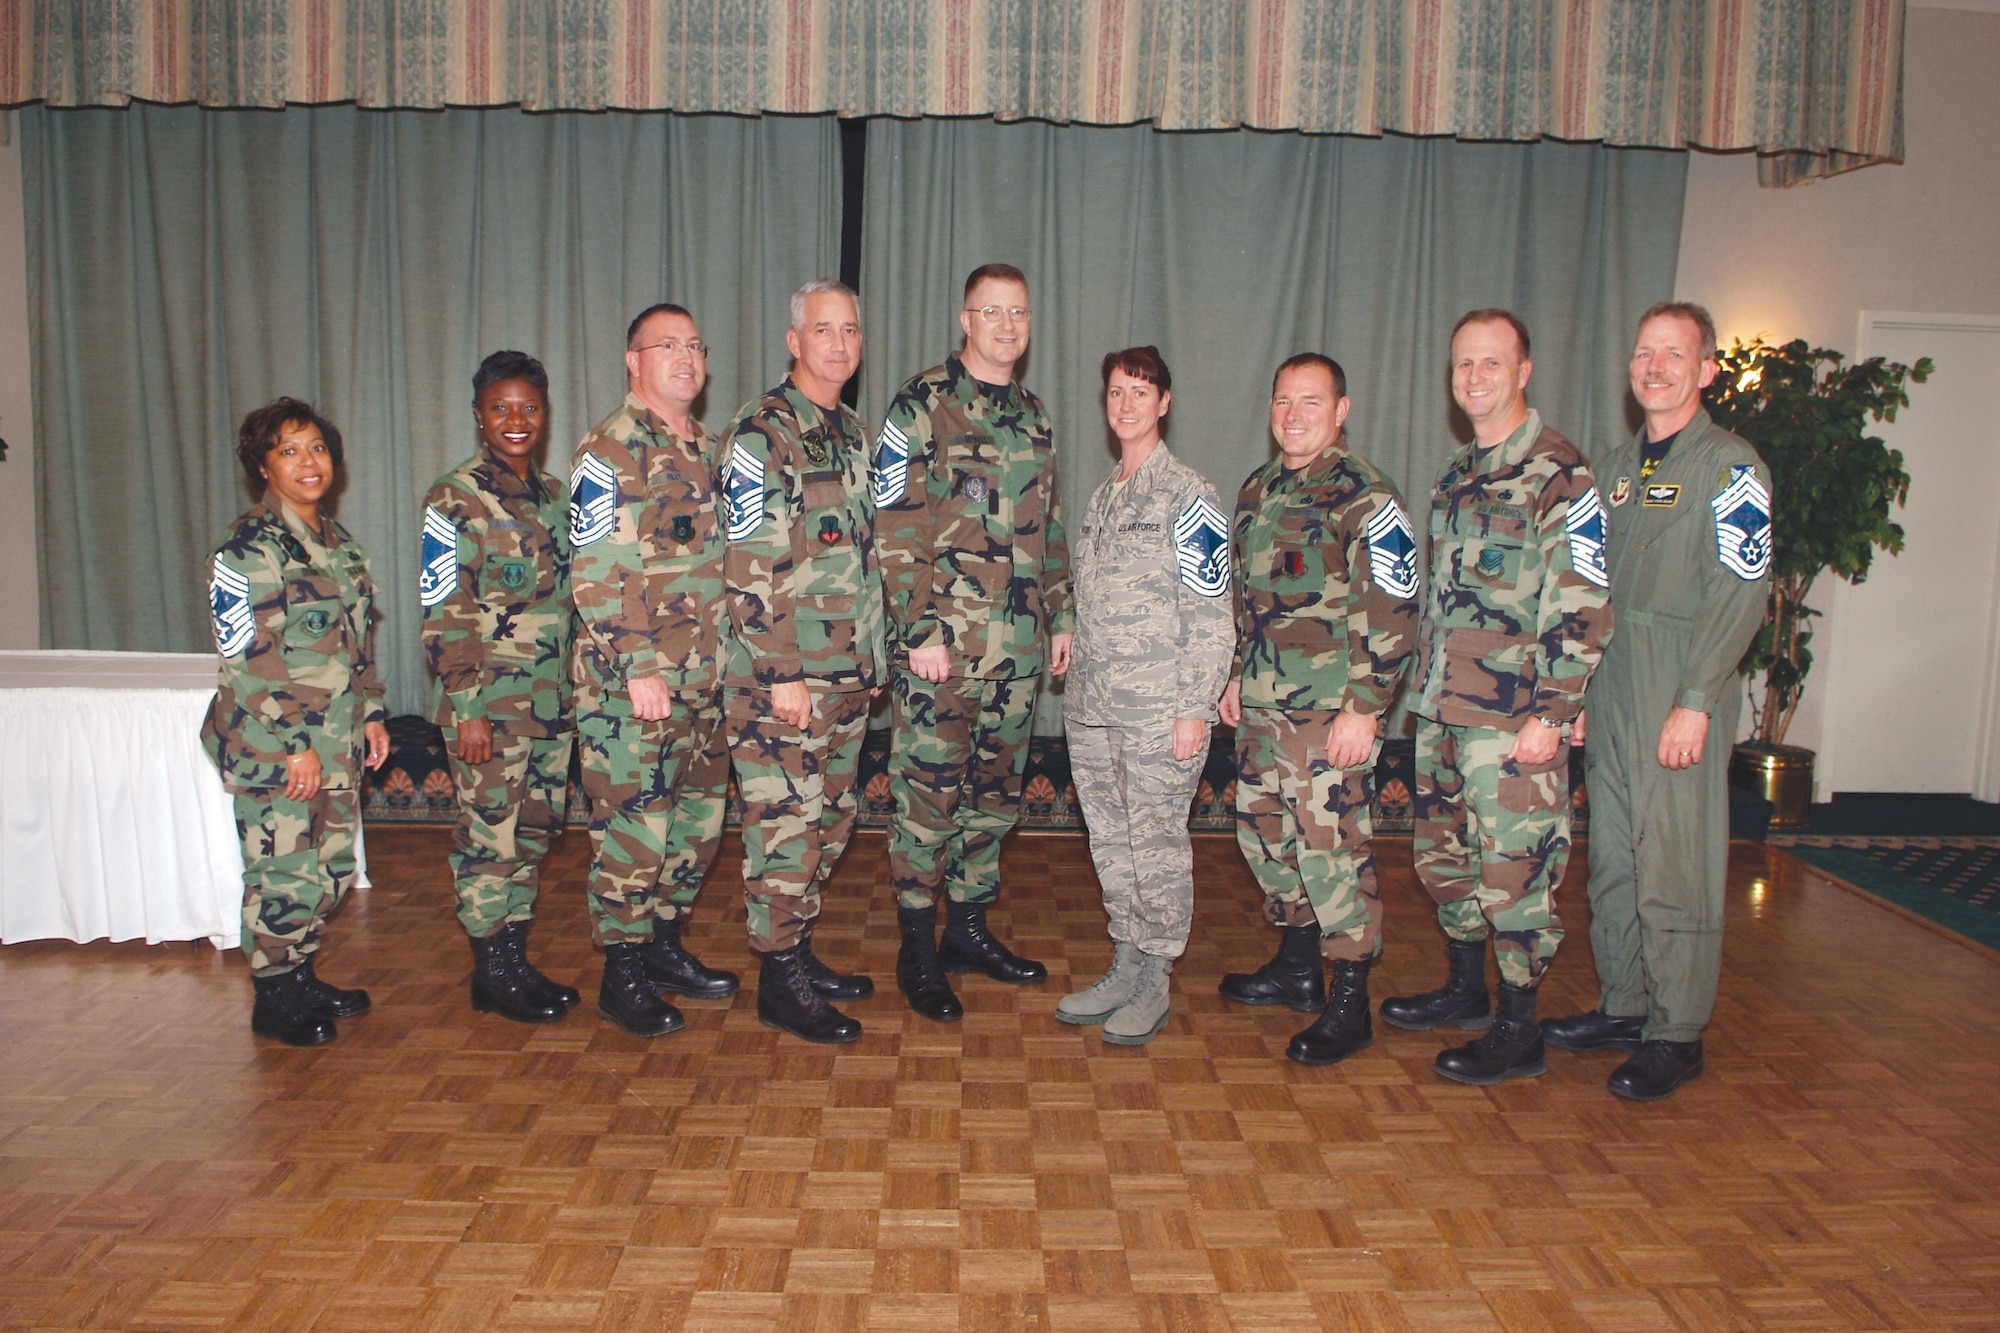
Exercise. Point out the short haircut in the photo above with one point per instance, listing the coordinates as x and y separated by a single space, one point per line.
1326 363
1141 363
509 366
815 288
1703 322
997 272
1493 314
258 435
638 320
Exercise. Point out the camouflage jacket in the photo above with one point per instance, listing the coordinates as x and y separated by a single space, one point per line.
494 585
804 588
645 558
1519 607
291 611
1153 629
969 523
1326 586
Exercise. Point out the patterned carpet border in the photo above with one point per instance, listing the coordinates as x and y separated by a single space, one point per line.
1952 882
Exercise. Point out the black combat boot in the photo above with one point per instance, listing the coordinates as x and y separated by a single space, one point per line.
284 1012
832 984
513 938
1594 1031
970 947
787 1001
1344 1026
1658 1068
328 1001
670 967
1461 1001
918 973
1292 976
498 989
1511 1048
626 996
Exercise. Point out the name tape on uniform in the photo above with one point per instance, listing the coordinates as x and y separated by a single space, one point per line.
438 575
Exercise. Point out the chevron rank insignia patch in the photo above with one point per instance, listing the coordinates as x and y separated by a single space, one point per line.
743 490
892 464
437 578
1743 524
1586 538
593 501
1392 551
1201 542
229 609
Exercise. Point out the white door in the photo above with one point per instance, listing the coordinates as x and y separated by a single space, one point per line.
1913 690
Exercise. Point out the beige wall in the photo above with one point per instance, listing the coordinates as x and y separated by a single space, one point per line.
1805 262
19 582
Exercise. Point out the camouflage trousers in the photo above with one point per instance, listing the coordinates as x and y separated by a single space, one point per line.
508 810
1492 840
799 804
956 755
656 803
298 863
1135 797
1307 830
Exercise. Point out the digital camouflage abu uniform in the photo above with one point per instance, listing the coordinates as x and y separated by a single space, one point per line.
291 610
805 603
495 591
1517 615
646 574
969 530
1326 610
1690 564
1153 641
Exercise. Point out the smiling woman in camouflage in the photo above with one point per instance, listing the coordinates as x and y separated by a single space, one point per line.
297 712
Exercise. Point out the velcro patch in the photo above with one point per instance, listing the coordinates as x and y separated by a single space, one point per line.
1201 543
593 501
437 578
1586 538
1392 551
743 489
892 464
1743 524
229 609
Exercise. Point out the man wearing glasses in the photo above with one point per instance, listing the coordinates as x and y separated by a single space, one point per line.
646 573
976 566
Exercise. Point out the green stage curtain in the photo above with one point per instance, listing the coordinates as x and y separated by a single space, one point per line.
189 265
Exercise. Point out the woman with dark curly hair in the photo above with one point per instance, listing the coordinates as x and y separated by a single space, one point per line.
297 711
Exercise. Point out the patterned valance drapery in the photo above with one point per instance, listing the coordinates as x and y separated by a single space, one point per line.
1814 85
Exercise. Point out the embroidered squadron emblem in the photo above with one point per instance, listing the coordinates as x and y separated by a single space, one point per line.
973 488
1621 492
892 464
1586 538
437 576
1663 496
1293 565
1201 544
514 574
229 609
1492 561
1392 551
829 530
1743 524
593 501
818 448
743 489
317 621
683 528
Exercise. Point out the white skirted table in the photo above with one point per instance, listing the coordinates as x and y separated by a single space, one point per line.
113 822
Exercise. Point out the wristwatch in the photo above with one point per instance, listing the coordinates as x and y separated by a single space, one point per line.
1555 723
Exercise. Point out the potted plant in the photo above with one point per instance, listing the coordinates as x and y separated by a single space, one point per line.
1832 488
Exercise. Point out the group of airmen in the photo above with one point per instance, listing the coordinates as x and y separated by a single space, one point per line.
690 602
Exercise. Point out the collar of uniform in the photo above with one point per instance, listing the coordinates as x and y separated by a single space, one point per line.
808 413
1512 449
1315 473
323 540
492 472
651 421
976 387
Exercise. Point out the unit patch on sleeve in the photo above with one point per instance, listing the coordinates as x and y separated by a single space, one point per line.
438 573
892 464
1743 524
1392 551
593 501
229 608
1201 542
743 489
1586 538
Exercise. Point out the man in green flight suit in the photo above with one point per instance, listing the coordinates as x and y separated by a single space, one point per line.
1690 548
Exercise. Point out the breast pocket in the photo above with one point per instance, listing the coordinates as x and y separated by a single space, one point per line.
1498 557
313 624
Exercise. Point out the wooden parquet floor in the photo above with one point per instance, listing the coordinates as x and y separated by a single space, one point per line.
1838 1167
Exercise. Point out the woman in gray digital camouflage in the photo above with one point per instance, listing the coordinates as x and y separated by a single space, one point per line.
297 711
1154 639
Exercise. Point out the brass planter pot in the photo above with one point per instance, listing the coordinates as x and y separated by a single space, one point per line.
1782 775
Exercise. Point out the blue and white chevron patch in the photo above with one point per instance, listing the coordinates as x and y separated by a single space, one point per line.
593 501
437 578
743 490
892 464
1392 551
1586 538
1743 524
1201 543
229 609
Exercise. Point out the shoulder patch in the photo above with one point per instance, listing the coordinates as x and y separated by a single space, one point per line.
437 578
593 501
892 464
1743 524
1392 551
1201 544
743 490
229 609
1586 538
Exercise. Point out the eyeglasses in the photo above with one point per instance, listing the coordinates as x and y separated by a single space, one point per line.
694 347
1020 314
